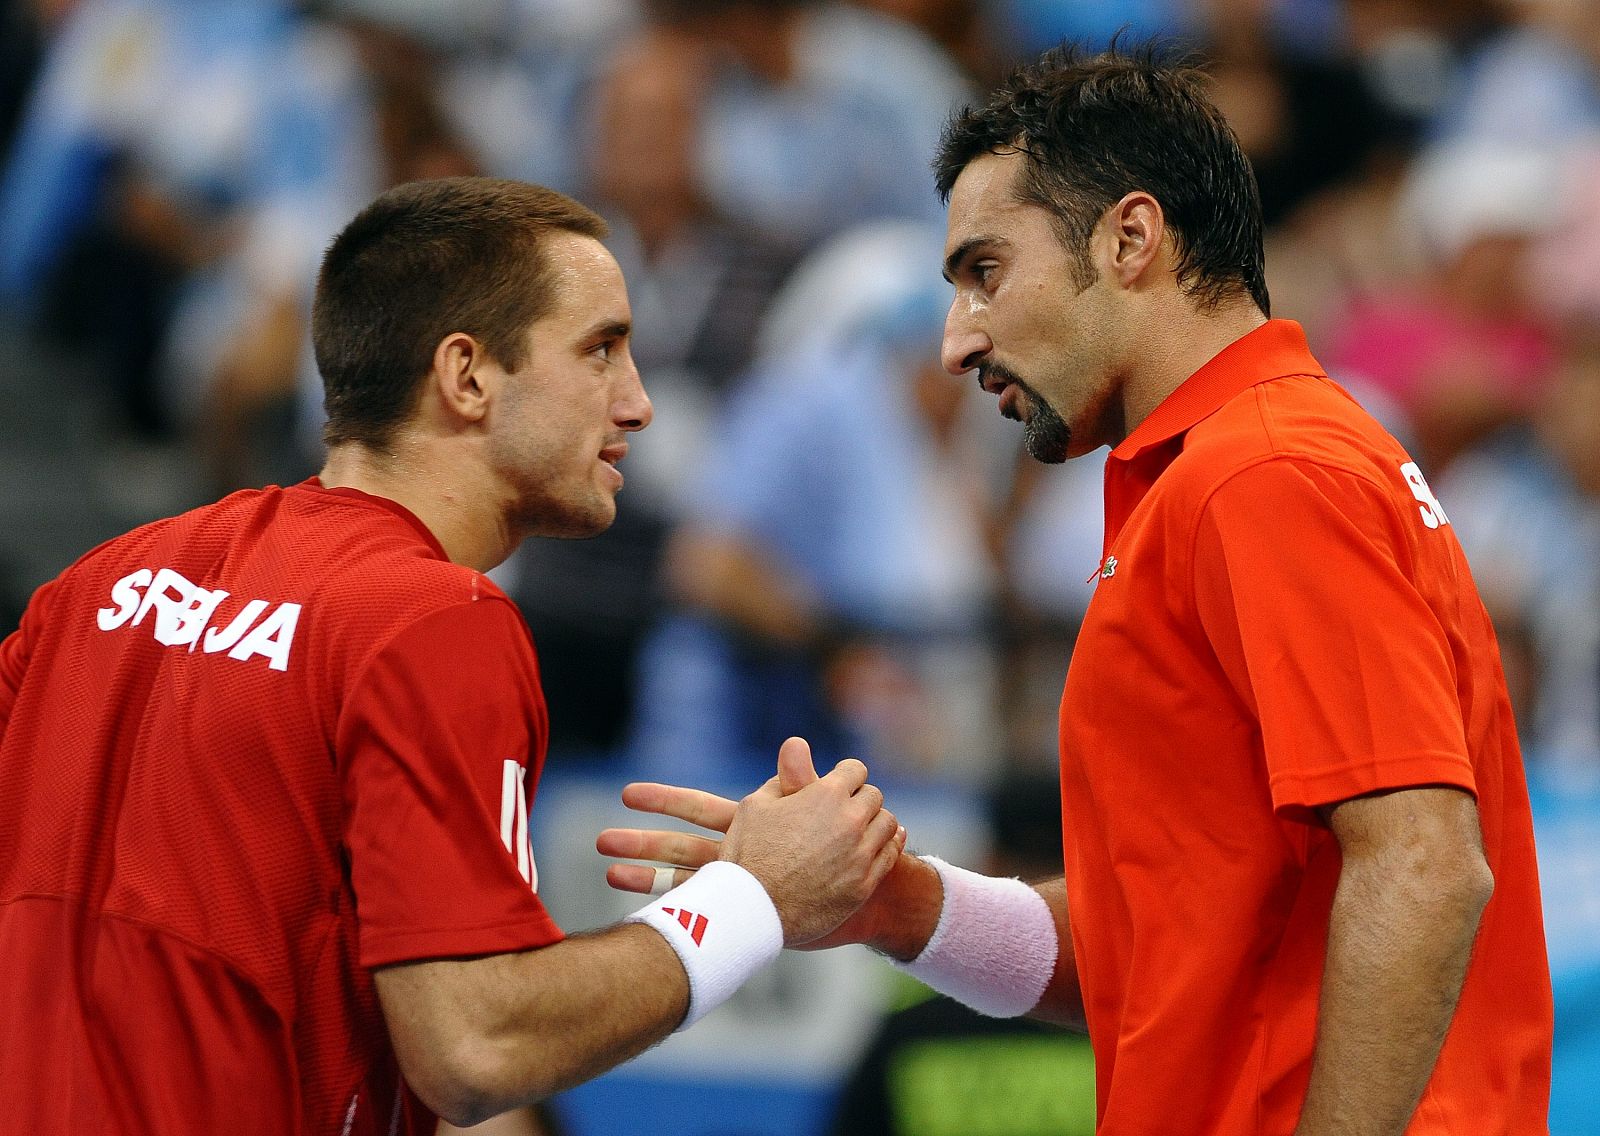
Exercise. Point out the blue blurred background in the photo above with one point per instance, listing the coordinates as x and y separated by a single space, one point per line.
822 533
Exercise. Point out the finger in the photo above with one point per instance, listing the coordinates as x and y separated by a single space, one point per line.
886 859
693 805
882 829
641 878
795 768
849 773
663 846
869 798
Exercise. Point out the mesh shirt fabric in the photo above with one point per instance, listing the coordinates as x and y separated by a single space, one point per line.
199 846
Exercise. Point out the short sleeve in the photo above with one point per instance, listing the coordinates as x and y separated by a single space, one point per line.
1304 585
439 746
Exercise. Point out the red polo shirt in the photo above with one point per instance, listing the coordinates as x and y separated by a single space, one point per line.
1283 620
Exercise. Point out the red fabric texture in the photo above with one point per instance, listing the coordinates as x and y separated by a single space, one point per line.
1277 628
216 812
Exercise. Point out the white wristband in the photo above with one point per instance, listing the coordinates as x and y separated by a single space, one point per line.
723 926
995 945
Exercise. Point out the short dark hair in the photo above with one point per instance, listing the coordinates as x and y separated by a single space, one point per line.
426 259
1093 128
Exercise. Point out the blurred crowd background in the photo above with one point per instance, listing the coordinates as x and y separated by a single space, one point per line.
822 533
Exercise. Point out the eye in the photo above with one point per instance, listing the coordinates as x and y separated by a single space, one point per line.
983 272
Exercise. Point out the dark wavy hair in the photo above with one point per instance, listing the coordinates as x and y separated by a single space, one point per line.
426 259
1093 128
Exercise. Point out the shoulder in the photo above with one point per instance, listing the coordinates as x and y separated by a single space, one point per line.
392 586
1300 428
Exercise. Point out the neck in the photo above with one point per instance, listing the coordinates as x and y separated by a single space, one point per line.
460 512
1188 339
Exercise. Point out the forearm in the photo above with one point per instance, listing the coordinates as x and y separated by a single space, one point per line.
478 1036
538 1021
1400 936
1062 1003
904 914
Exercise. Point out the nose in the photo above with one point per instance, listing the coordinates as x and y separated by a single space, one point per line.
633 409
965 342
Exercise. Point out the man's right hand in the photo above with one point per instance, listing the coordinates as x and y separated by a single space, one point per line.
811 884
819 845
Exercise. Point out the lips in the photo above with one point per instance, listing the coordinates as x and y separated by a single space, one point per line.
613 454
996 381
1011 402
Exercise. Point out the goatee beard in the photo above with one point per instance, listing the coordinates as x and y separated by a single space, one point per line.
1045 434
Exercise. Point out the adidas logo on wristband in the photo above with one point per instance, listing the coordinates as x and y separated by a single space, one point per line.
749 932
694 924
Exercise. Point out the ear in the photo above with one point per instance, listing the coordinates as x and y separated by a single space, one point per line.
1135 230
462 378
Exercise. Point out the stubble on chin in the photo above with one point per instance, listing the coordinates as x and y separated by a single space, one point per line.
1045 434
578 517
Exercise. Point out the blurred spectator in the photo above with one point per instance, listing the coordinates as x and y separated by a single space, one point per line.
965 29
1413 49
699 280
1335 234
1534 83
158 134
1564 264
699 284
210 102
938 1068
244 387
1053 532
838 572
822 115
1527 511
1342 244
1043 522
1462 348
1307 121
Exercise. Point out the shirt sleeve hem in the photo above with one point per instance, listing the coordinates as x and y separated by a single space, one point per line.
523 934
1297 796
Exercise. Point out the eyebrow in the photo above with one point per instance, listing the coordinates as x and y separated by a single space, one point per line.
609 329
954 262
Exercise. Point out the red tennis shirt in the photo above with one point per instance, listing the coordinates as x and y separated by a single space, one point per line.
1283 620
247 754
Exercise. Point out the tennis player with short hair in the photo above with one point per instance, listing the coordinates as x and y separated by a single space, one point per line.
1300 893
266 767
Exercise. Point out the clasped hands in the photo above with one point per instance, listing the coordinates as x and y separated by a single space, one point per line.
820 845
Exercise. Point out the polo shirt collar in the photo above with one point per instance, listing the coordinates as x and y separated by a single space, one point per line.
1275 349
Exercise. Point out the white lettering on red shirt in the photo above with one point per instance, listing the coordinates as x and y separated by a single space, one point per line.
183 613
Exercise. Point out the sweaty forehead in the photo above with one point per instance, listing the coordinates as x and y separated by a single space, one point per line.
585 278
983 197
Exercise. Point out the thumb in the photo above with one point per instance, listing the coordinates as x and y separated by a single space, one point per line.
795 769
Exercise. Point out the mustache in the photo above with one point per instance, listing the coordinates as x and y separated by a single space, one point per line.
1000 371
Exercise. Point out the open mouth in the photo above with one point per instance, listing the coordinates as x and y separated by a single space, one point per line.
996 380
613 454
1012 402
